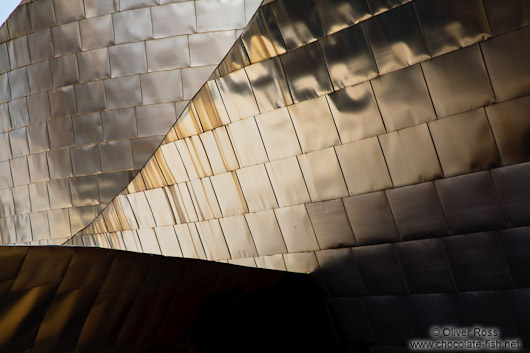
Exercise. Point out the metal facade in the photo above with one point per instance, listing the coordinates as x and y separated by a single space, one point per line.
380 145
88 90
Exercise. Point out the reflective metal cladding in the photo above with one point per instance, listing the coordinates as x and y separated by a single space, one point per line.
88 90
381 145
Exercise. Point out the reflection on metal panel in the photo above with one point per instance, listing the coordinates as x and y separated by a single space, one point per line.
80 60
396 38
464 143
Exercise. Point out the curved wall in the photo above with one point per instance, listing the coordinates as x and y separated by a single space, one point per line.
380 145
88 89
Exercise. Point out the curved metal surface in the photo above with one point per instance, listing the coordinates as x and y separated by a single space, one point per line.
89 88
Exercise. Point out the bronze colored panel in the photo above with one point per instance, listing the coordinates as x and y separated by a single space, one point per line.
278 134
237 95
266 233
314 124
403 98
238 238
363 165
296 228
288 182
355 112
504 16
323 183
511 128
339 14
306 73
458 81
371 218
464 143
449 25
507 57
397 39
349 57
410 155
269 84
298 21
417 211
331 224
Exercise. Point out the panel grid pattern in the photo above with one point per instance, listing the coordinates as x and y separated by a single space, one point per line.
377 151
88 91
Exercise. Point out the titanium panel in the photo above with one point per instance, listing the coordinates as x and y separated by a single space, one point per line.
87 129
477 262
298 22
116 156
403 98
510 126
174 19
209 48
123 92
93 65
504 16
266 233
95 8
229 194
39 76
256 188
363 166
380 270
314 124
215 15
97 32
470 203
212 237
458 81
464 143
19 52
397 39
167 239
417 211
62 102
247 142
136 59
296 228
449 25
86 160
262 38
371 218
161 87
148 125
142 29
90 97
306 73
410 155
238 238
331 225
425 266
41 14
269 85
118 124
40 44
339 14
38 108
68 10
287 182
237 95
348 57
66 39
509 74
278 134
513 191
159 57
323 183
